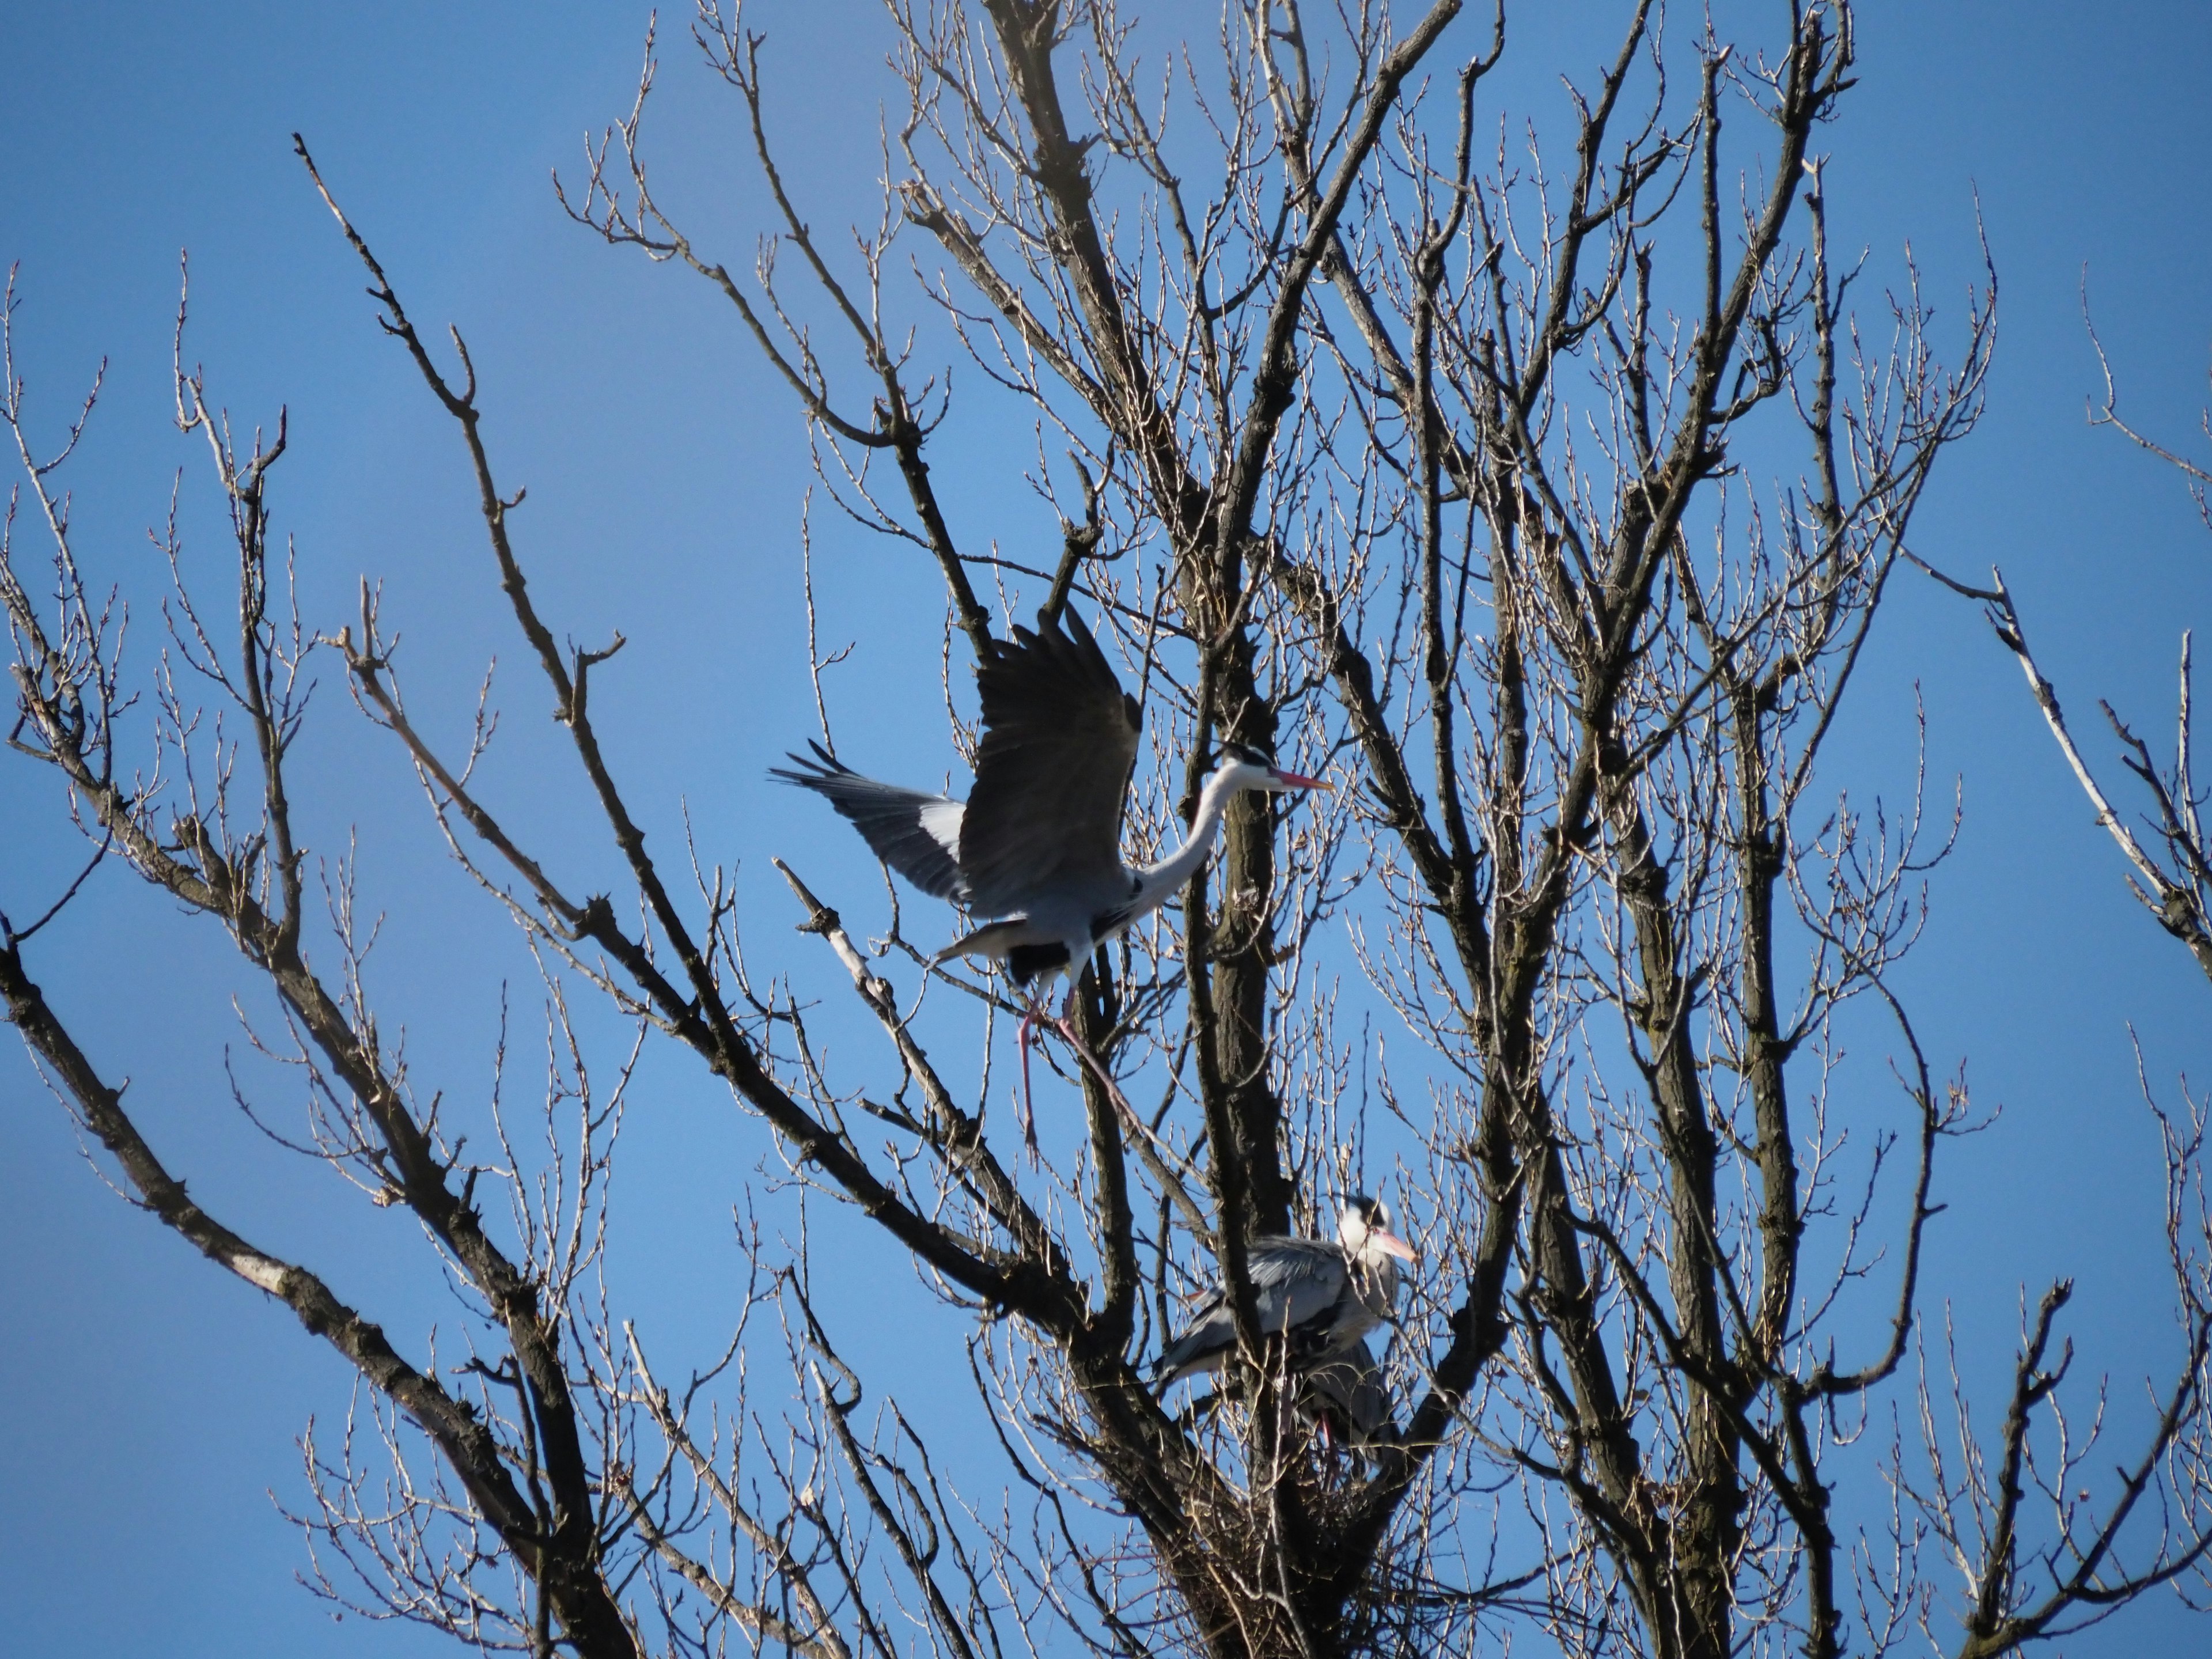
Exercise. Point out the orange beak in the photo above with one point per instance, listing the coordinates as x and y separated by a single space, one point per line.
1298 782
1391 1244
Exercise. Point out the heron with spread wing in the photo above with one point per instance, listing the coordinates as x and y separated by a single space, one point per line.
1037 845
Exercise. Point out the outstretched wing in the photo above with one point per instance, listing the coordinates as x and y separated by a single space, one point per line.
917 835
1059 741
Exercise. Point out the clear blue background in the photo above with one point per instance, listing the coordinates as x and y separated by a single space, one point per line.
150 1403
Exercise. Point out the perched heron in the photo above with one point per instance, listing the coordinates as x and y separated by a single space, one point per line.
1037 843
1325 1296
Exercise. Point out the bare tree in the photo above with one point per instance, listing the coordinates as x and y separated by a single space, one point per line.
2074 1575
1547 509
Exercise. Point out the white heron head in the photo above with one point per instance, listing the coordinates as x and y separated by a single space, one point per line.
1362 1227
1246 767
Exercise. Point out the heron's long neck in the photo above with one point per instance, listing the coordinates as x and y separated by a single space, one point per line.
1381 1275
1162 879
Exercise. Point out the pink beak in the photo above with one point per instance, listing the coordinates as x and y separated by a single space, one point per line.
1298 782
1391 1244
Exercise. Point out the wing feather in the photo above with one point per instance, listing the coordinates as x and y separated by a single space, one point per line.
1052 773
917 834
1295 1282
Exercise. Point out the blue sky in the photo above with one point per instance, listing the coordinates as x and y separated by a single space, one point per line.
153 1404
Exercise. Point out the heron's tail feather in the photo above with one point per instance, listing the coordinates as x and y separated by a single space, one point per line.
997 940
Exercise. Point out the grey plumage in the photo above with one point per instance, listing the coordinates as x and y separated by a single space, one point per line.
1324 1295
1051 775
917 834
1037 843
1297 1287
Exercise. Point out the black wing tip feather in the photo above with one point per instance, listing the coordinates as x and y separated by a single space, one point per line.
888 816
1064 648
1054 637
814 769
1070 625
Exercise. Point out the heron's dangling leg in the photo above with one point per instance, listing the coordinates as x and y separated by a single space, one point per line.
1033 1018
1066 1023
1144 1130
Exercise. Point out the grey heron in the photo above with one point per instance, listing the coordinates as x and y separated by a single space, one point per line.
1324 1296
1037 845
